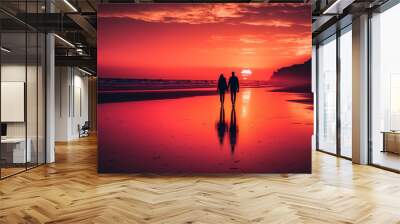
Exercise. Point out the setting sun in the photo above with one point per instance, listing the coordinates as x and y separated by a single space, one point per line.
246 73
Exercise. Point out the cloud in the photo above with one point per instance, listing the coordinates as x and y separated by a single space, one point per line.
220 38
274 23
190 14
302 44
244 38
301 40
248 51
257 14
252 39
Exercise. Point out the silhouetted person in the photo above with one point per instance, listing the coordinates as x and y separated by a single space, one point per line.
221 125
233 131
222 88
233 86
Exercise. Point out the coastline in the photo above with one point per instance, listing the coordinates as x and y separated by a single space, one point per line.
120 90
116 97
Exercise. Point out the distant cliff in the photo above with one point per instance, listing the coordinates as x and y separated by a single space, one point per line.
294 75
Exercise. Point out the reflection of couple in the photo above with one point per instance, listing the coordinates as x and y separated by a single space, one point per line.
233 128
233 86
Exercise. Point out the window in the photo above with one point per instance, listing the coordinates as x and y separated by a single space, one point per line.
22 88
385 89
346 92
326 99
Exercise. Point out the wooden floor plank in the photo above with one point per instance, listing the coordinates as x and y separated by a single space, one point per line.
71 191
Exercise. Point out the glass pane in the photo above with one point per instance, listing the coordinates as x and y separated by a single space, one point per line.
346 94
13 87
41 98
327 96
31 100
385 84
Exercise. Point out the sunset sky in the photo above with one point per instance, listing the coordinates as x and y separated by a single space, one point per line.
200 41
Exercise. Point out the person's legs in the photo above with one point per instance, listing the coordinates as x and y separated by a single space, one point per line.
233 97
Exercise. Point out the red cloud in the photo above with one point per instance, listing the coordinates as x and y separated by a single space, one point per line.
191 14
257 14
149 39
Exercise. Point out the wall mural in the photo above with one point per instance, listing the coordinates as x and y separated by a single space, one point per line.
204 88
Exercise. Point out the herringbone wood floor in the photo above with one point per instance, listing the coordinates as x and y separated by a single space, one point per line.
71 191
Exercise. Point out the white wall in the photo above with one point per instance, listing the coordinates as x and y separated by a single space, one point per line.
13 72
314 91
71 102
62 83
80 110
33 127
16 72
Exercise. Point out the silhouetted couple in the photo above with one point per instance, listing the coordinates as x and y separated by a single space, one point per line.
233 86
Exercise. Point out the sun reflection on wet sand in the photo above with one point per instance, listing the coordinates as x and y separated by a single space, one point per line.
246 95
264 133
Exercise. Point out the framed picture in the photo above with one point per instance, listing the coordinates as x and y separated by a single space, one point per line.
204 88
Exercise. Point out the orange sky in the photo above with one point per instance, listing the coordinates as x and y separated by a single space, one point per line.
199 41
